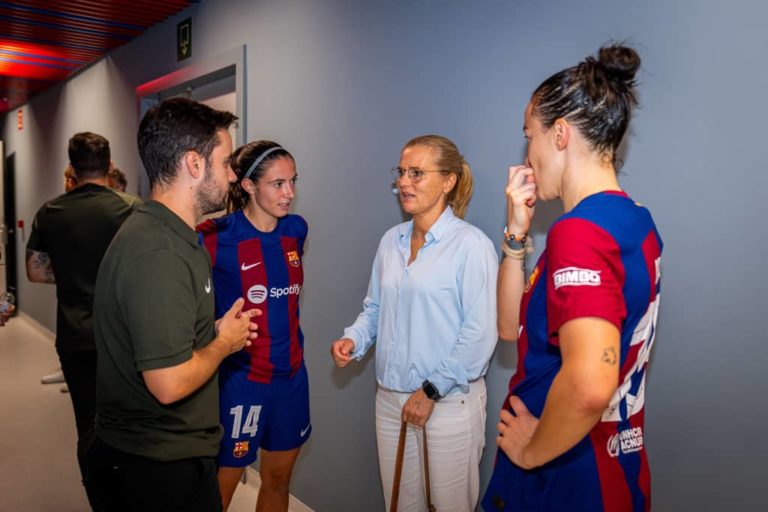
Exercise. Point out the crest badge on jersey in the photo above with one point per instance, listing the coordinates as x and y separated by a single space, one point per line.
532 279
241 449
293 258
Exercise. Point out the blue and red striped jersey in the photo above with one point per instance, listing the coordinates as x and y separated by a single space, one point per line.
602 260
265 269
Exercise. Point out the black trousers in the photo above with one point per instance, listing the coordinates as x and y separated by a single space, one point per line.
123 482
79 368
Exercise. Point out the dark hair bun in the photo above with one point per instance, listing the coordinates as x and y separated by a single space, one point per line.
620 63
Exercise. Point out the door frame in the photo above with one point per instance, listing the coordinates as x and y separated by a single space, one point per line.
225 65
10 242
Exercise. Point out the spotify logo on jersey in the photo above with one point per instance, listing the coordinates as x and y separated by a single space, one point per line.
257 294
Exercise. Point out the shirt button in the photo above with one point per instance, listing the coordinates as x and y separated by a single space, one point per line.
498 502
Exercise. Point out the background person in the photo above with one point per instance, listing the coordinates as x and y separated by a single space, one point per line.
571 436
70 235
70 182
431 310
159 348
256 253
117 179
6 313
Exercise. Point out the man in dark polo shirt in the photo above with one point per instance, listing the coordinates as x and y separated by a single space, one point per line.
70 235
159 347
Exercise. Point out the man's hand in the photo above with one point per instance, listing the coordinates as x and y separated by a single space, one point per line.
235 329
418 408
341 351
515 432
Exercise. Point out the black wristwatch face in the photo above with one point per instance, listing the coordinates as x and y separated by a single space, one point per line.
431 391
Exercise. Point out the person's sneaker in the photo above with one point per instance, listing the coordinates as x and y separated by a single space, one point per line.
53 378
64 389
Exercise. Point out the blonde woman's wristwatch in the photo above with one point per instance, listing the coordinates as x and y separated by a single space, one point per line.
431 391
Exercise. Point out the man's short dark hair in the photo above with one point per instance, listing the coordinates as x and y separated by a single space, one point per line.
89 155
172 128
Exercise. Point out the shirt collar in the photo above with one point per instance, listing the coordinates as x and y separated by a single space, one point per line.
435 233
162 212
86 187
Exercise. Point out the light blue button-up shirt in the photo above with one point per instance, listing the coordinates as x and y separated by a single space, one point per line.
434 319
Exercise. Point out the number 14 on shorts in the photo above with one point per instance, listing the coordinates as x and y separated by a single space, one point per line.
251 424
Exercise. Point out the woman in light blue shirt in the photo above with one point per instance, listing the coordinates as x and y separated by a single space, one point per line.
431 310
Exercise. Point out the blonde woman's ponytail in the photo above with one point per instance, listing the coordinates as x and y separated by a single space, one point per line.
461 194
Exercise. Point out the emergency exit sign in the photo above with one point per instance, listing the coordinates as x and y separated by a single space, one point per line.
184 39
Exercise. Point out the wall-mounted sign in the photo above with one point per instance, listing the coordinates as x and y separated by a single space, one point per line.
184 39
20 119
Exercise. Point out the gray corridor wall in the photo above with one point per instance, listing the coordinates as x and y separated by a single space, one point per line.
343 84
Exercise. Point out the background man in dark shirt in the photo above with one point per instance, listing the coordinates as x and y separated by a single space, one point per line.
70 235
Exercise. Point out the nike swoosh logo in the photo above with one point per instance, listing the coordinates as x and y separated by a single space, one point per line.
304 431
248 267
208 286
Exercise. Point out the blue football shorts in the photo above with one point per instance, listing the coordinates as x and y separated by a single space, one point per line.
254 415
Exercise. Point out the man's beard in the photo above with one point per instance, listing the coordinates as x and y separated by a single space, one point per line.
209 199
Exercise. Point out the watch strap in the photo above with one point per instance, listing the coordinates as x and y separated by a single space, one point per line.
431 391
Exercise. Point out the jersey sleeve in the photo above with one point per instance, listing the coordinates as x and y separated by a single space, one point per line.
585 275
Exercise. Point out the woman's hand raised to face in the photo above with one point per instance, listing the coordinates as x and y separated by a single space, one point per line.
521 199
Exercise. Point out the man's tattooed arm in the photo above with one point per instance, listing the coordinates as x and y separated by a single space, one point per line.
39 268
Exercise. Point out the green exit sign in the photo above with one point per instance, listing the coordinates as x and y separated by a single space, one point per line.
184 39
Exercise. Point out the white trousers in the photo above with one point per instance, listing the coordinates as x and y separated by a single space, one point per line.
456 438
